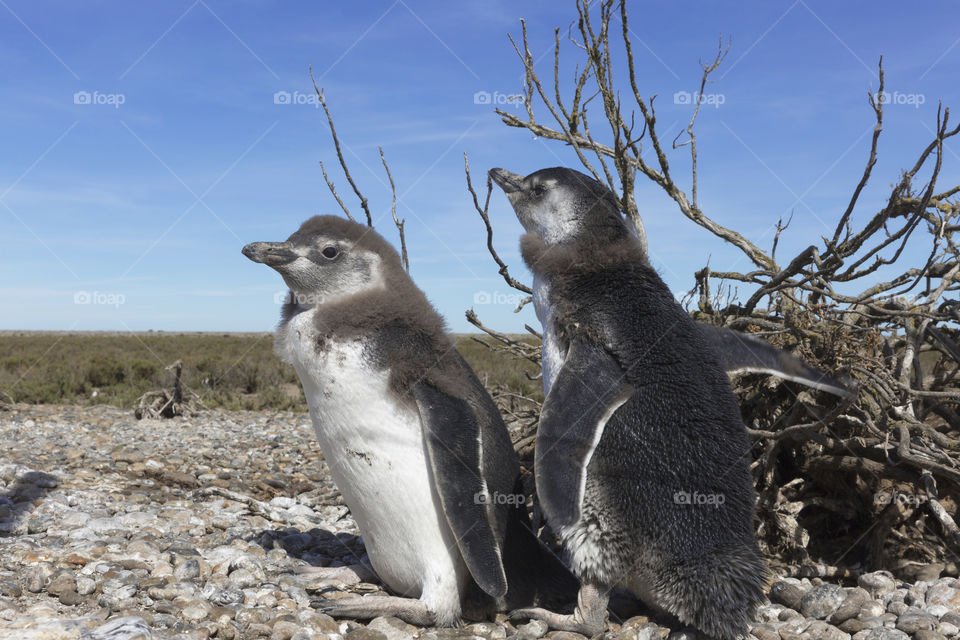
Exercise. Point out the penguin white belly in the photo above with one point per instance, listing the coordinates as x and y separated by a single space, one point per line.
552 355
376 453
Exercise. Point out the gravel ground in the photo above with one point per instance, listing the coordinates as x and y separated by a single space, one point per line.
116 529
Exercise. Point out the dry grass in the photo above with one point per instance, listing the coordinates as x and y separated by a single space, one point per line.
232 371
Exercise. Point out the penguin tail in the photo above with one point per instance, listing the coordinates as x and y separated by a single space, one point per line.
717 593
536 576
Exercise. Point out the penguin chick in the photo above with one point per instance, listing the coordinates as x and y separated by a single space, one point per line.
414 443
642 460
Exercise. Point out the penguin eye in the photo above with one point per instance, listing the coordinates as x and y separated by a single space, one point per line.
330 252
539 190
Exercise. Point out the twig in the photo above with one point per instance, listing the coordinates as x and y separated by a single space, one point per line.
393 211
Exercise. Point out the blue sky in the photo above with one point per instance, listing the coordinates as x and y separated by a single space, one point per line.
142 197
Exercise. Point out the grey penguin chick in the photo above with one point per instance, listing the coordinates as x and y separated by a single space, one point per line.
642 459
414 443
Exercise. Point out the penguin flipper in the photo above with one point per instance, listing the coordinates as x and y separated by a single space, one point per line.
589 388
454 455
743 353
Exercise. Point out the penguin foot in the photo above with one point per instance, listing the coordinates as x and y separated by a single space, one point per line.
338 577
560 622
589 618
366 607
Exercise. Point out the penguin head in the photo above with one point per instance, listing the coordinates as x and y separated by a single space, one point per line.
563 206
327 259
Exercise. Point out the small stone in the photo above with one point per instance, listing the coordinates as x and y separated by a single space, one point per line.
877 583
38 577
953 617
886 634
822 600
70 597
945 593
913 620
852 604
323 623
873 622
871 609
38 524
532 630
196 610
397 629
364 633
768 612
105 526
948 629
897 607
253 615
852 625
787 594
86 586
937 610
228 630
822 631
10 590
75 559
925 634
789 614
794 630
243 578
187 570
62 582
922 572
765 632
125 628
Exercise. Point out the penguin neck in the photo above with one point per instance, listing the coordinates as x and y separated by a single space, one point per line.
365 312
549 261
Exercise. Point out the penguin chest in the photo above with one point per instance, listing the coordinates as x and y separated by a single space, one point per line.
375 449
552 353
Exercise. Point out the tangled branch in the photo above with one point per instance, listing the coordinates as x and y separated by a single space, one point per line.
830 478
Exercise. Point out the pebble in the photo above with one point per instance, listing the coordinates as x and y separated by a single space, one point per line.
822 600
118 529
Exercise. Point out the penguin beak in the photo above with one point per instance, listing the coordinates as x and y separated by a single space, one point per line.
509 182
272 254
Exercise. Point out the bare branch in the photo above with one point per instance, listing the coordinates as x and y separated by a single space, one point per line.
336 144
503 269
393 212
